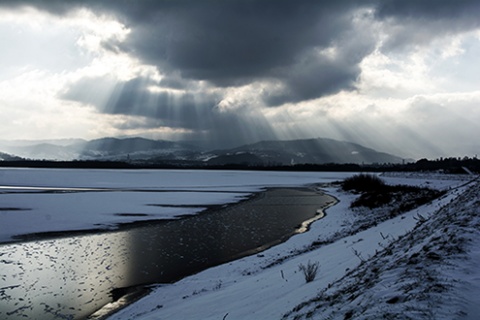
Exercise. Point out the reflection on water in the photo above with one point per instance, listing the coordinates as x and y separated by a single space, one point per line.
62 278
70 278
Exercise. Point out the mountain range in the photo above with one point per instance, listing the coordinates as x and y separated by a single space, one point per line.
273 152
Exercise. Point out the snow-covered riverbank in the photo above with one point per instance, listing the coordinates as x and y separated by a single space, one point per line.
419 264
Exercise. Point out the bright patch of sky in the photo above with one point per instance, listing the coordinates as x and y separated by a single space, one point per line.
45 55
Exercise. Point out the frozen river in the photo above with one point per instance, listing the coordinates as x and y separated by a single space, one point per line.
49 200
63 251
71 277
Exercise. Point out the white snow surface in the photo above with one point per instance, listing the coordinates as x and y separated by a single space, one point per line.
422 264
45 200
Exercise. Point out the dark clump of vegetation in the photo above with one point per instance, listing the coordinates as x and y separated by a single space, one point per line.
375 193
363 183
309 271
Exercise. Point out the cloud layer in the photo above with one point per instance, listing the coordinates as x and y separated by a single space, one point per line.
241 71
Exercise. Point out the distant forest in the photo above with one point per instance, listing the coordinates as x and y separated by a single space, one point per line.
446 165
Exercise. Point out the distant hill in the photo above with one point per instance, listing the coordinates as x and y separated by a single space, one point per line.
61 149
99 149
274 152
241 158
135 148
8 157
314 151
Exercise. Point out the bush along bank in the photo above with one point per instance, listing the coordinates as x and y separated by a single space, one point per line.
374 193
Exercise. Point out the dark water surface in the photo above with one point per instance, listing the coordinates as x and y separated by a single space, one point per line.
72 277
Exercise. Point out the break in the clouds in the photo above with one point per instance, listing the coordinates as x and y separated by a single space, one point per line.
401 76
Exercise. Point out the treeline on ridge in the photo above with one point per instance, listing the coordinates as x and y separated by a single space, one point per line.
446 165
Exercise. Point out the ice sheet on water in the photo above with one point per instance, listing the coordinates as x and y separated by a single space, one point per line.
77 199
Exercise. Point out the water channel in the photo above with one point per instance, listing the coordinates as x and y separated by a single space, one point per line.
72 277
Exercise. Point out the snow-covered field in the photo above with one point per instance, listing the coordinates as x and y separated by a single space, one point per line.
45 200
423 264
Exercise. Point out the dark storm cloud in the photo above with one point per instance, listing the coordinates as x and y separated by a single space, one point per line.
430 9
317 74
182 110
310 79
419 22
196 112
230 43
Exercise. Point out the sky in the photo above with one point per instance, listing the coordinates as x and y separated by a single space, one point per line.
399 76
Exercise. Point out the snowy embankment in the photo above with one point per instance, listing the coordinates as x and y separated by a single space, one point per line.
422 264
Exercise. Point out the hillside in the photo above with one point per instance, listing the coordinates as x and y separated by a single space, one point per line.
318 151
8 157
134 148
264 153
